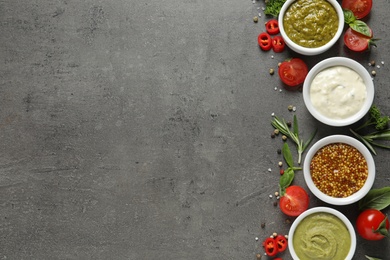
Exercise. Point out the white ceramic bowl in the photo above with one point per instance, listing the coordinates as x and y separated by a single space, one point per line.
349 63
334 212
305 50
354 143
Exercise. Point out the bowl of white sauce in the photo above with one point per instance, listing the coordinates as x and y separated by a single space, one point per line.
338 91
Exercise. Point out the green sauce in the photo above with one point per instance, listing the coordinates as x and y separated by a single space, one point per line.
321 236
311 23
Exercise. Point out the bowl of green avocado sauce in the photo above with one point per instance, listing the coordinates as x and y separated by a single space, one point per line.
311 27
322 233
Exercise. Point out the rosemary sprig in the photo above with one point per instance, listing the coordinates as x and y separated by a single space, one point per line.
281 125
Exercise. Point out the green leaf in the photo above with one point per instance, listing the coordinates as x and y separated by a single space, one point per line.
273 7
309 140
361 27
349 17
383 135
372 258
285 180
295 126
376 199
287 155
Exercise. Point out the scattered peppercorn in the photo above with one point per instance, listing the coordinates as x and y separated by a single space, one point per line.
272 135
373 73
290 108
279 63
275 203
279 151
271 71
284 138
289 123
372 63
276 131
281 171
263 225
255 19
280 164
288 221
258 256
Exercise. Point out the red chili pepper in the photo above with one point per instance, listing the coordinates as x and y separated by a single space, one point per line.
265 41
270 247
278 44
272 27
281 242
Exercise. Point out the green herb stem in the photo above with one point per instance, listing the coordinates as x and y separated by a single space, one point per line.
281 125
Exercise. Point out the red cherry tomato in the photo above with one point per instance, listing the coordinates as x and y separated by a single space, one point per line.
372 224
293 72
265 41
281 242
356 41
360 8
272 27
278 44
294 201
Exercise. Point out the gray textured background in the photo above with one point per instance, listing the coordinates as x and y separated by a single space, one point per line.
141 129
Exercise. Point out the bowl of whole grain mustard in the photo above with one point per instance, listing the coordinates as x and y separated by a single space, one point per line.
322 233
339 170
311 27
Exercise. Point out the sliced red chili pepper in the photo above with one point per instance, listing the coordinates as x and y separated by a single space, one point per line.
270 247
278 44
272 27
265 41
281 242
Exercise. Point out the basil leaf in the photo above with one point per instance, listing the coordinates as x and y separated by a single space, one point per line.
285 180
376 199
287 155
349 17
361 27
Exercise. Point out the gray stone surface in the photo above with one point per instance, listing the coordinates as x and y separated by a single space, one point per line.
141 129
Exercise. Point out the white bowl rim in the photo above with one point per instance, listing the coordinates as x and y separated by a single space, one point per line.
339 61
311 51
347 140
332 211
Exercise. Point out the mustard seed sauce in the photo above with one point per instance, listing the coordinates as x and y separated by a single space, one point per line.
338 170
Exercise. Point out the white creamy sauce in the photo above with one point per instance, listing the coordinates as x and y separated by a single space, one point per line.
338 92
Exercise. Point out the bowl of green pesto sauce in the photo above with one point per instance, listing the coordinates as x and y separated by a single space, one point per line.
311 27
322 233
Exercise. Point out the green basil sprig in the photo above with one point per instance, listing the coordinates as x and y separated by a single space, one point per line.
355 24
376 199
